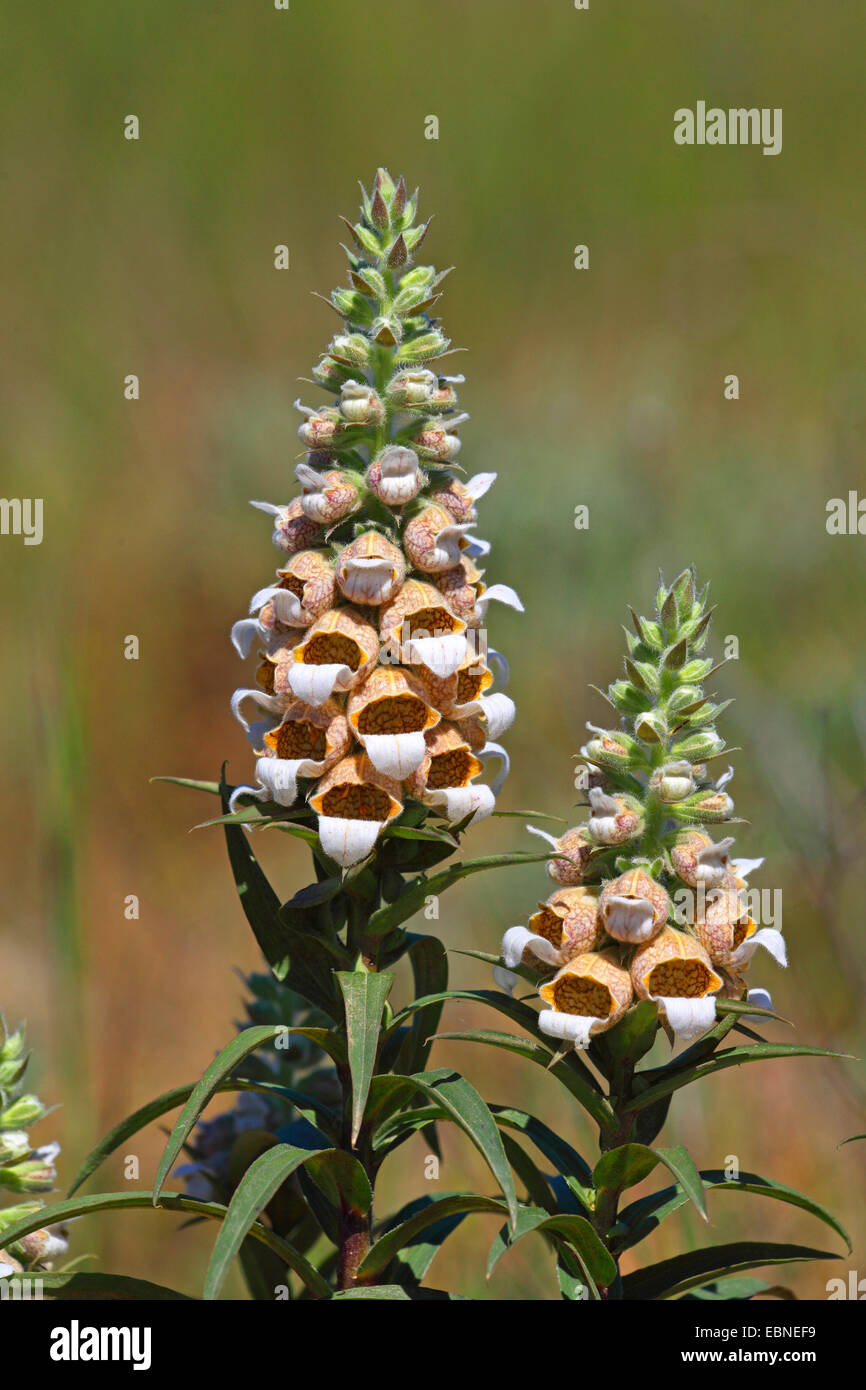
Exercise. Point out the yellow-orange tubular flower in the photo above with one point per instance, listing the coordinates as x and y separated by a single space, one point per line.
419 626
337 653
588 995
633 907
370 569
308 741
675 971
389 715
354 803
566 925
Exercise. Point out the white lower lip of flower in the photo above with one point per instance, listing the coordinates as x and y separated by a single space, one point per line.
395 489
743 867
245 633
725 778
688 1017
42 1245
676 788
286 605
270 507
272 703
457 802
314 684
768 937
502 593
574 1028
629 919
505 979
516 940
367 581
761 998
279 780
495 750
499 711
479 483
711 863
497 660
396 755
603 828
446 552
477 548
348 841
441 655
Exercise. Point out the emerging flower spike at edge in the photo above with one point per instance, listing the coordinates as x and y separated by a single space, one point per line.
377 613
664 903
26 1172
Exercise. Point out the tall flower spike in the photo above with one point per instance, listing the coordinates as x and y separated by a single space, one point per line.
376 614
673 906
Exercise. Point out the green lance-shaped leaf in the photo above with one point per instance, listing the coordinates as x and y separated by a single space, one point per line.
61 1212
364 996
221 1067
77 1285
264 1177
575 1231
539 1192
643 1216
580 1079
303 960
212 787
738 1290
631 1163
417 1256
729 1057
398 1237
429 962
412 899
566 1069
696 1267
396 1293
310 1108
566 1160
459 1101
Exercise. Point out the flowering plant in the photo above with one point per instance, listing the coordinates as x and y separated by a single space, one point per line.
372 719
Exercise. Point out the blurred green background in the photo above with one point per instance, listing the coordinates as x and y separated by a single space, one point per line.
602 387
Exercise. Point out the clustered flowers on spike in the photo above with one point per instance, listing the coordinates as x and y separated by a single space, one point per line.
373 683
25 1171
647 904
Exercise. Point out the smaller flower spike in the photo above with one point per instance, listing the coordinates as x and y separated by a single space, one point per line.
370 643
647 847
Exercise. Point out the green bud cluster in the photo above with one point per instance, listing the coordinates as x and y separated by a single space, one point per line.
658 758
25 1170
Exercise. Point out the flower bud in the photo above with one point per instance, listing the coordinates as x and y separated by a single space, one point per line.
588 995
412 388
613 819
360 404
569 920
672 782
395 476
710 804
437 444
327 497
613 750
370 570
651 726
575 847
319 430
633 907
704 743
351 348
14 1144
24 1111
432 540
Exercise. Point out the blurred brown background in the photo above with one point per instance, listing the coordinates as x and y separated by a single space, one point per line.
602 387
